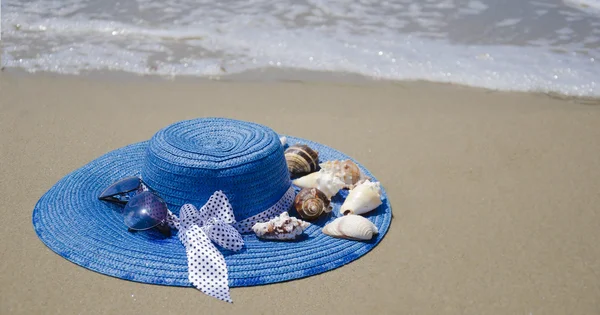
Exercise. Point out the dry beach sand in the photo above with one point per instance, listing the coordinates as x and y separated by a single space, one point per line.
496 196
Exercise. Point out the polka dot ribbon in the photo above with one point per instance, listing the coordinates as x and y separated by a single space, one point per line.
198 229
215 222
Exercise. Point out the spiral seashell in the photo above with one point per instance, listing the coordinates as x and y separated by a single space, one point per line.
346 170
311 203
301 159
363 198
352 227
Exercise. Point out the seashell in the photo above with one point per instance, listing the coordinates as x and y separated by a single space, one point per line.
301 159
323 180
352 227
307 181
282 228
362 198
283 141
346 170
311 203
329 184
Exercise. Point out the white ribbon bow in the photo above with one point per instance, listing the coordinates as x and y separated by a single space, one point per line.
198 229
215 222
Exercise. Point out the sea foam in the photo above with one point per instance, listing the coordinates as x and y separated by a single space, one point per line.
534 46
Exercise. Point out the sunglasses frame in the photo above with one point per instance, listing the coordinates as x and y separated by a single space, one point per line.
162 226
112 198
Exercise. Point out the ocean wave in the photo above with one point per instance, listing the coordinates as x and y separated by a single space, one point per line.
509 51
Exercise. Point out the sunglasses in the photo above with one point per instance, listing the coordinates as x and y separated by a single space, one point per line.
143 209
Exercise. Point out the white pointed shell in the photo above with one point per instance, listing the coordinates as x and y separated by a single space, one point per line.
307 181
329 184
352 227
282 227
363 198
283 140
323 180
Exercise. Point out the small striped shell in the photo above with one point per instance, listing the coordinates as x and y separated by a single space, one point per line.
352 227
301 159
311 203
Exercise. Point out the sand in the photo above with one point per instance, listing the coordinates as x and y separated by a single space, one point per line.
495 195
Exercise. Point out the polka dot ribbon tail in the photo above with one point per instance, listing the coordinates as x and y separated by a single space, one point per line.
198 229
215 223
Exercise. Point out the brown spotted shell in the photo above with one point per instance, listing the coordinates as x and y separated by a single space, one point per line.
346 170
301 159
310 203
351 169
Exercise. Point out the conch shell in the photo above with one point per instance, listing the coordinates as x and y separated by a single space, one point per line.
346 170
301 159
352 227
362 198
323 180
282 227
311 203
307 181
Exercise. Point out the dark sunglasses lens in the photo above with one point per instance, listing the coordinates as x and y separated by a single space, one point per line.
122 186
144 211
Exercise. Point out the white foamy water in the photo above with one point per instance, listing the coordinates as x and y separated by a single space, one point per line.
540 45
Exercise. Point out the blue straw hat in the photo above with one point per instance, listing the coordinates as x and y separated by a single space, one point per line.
185 163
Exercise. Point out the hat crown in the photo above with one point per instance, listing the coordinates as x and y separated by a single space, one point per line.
188 161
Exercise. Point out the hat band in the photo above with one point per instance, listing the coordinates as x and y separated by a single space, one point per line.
284 204
245 226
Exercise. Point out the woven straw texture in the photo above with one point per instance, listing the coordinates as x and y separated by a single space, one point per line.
188 161
72 222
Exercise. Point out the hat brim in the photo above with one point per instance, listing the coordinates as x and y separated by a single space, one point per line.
72 222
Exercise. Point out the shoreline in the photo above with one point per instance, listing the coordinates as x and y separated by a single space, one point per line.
277 76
